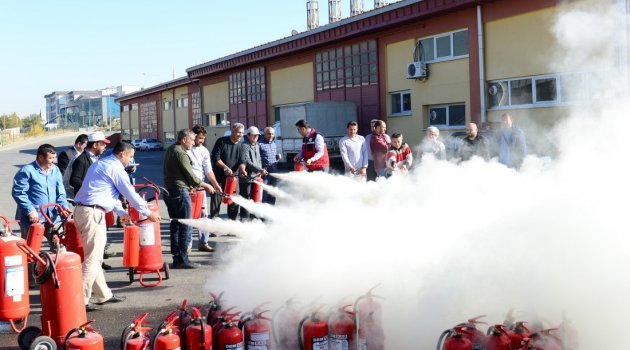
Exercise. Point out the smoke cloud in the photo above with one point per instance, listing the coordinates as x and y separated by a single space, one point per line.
449 242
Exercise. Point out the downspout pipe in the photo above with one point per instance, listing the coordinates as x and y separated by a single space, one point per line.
482 68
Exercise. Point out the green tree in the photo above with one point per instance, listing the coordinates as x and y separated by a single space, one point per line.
31 121
10 121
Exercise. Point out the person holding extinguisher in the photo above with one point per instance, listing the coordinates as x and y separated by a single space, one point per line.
314 151
104 182
250 168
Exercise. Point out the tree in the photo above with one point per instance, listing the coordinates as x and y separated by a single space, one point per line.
31 121
10 121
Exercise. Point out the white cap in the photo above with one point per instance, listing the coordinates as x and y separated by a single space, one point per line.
253 131
97 136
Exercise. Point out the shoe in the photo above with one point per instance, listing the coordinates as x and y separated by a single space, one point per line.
106 267
206 248
91 307
114 299
186 265
108 254
189 250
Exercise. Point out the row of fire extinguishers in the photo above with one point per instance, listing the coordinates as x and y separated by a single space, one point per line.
510 335
214 326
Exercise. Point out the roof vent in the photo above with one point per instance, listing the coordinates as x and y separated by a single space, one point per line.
312 14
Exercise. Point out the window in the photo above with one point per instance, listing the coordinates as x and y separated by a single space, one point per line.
353 65
126 108
217 119
182 102
529 91
247 86
134 107
445 46
196 108
401 103
447 115
168 105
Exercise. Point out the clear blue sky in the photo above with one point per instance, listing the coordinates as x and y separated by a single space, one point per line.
48 46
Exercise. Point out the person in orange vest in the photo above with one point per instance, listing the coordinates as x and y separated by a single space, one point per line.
314 151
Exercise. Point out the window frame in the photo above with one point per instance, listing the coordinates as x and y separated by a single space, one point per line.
450 57
448 125
558 101
347 66
402 112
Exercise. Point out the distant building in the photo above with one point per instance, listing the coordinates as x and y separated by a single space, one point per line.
85 108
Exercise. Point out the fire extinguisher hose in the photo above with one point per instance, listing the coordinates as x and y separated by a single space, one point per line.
300 331
49 270
441 339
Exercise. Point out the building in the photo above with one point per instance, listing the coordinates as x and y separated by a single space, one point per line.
414 63
85 108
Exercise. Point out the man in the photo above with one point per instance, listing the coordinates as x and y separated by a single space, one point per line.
473 144
353 154
431 145
371 173
202 166
78 168
399 157
250 168
66 156
314 151
104 182
379 145
269 156
512 143
36 184
226 157
179 180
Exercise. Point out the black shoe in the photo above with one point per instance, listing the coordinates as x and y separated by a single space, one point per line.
106 267
206 248
186 265
91 307
114 299
108 254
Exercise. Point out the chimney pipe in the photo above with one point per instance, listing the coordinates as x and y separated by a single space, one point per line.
380 3
356 7
312 14
334 11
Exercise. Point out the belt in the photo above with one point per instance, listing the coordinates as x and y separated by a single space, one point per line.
94 206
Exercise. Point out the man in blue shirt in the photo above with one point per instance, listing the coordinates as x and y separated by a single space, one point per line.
270 157
104 182
512 143
36 184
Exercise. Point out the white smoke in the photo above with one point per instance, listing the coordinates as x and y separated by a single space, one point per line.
450 242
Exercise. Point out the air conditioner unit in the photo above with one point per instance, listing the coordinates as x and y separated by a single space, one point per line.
417 70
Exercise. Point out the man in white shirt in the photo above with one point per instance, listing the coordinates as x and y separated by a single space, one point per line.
353 154
202 166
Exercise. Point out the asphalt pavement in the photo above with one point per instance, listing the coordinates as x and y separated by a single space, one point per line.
160 300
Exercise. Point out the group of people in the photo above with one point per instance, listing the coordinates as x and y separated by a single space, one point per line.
98 183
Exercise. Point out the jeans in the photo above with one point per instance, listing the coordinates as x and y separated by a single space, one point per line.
179 207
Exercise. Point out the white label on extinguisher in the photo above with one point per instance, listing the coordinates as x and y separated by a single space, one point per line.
147 234
14 285
363 344
320 343
238 346
12 260
339 342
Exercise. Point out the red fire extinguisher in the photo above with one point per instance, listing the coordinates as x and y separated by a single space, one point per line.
198 333
214 309
455 339
110 220
476 336
229 337
313 332
257 190
498 338
60 283
221 320
35 236
341 329
285 320
84 338
371 335
517 333
167 336
131 246
257 332
14 301
135 336
229 189
368 304
544 340
299 166
197 197
65 229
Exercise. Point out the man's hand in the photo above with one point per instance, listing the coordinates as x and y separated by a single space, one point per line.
264 172
125 219
363 172
228 171
308 162
296 159
154 216
207 187
33 217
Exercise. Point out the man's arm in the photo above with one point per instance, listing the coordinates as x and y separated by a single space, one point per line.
19 192
319 148
78 170
343 150
62 161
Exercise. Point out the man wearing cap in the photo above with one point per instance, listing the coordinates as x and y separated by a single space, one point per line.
179 180
104 182
78 167
314 151
226 157
251 167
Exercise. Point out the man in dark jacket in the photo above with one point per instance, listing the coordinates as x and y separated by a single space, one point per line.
226 157
473 144
66 156
95 147
251 167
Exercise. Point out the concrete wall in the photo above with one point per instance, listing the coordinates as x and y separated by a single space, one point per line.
291 85
216 98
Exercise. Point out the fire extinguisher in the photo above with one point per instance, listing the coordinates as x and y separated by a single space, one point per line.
341 329
476 336
66 229
517 333
214 309
221 321
197 197
371 335
198 335
131 246
313 332
110 220
86 338
257 190
167 335
498 338
285 320
368 304
229 337
35 237
455 339
257 332
544 340
14 301
135 336
229 189
299 166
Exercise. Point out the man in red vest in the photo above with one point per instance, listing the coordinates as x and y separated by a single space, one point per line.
314 151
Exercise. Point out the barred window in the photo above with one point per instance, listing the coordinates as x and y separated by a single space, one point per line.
349 66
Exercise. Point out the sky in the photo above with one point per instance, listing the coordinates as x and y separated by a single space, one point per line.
70 45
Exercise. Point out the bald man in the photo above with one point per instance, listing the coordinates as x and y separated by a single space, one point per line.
473 144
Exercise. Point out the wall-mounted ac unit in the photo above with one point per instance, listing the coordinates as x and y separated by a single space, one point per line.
417 70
